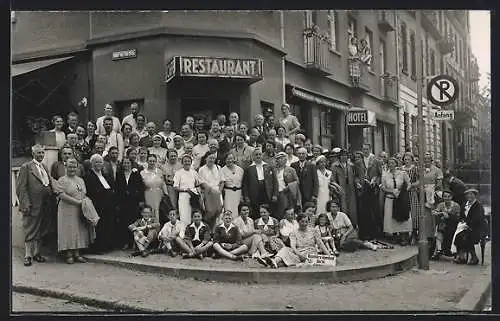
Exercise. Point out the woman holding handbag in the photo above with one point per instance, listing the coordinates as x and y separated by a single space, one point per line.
186 182
397 220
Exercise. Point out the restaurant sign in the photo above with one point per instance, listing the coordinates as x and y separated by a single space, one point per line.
361 117
211 67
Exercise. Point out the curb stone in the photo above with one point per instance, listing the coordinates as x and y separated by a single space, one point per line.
102 303
476 297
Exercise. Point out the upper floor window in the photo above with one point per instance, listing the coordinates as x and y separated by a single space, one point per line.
311 17
369 39
352 30
333 29
404 46
413 55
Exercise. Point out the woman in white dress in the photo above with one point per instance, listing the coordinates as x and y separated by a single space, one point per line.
393 184
324 178
60 135
232 175
160 152
155 185
212 183
289 121
186 182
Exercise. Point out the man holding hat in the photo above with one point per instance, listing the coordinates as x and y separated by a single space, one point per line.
288 186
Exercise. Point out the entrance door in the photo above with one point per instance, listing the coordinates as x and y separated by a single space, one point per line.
205 107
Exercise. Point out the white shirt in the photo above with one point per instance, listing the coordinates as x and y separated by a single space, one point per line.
60 138
260 170
114 139
170 230
184 179
129 119
127 176
211 176
341 223
281 179
103 180
244 228
198 152
169 139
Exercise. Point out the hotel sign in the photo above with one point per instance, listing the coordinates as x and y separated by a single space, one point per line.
124 54
211 67
361 117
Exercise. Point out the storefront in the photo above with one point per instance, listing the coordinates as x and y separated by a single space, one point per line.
361 123
208 86
321 117
42 89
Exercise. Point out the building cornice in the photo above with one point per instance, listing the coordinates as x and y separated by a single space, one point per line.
57 52
169 31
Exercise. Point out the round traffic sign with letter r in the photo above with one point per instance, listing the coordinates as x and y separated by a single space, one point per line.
442 90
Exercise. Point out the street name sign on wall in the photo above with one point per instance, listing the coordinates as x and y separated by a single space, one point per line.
124 54
442 90
442 115
212 67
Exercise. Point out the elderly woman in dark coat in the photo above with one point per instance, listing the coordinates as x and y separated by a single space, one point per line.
101 190
469 229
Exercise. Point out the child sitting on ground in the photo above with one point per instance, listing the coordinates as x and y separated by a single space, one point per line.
197 238
172 235
145 230
325 231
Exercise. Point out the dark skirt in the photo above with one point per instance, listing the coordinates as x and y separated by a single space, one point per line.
464 241
367 204
106 236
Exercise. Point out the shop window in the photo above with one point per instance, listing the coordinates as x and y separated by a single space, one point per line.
122 107
333 29
328 127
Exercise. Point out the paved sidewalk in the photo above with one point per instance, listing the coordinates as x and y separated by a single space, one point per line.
438 289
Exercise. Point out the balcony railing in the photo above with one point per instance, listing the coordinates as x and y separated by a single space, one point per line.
383 22
390 88
358 75
317 51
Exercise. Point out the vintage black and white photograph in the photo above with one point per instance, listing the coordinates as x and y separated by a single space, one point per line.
250 161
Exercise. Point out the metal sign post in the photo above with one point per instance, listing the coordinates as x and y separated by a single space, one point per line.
423 247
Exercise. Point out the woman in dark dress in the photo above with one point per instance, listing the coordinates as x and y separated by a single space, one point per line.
469 229
365 199
102 191
130 193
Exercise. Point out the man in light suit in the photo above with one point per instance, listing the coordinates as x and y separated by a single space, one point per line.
34 191
308 177
260 185
288 187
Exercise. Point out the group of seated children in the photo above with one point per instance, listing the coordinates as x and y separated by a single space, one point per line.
234 238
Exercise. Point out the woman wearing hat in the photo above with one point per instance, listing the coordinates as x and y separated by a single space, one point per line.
469 229
446 213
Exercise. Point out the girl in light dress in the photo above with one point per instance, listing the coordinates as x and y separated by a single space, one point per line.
155 185
325 231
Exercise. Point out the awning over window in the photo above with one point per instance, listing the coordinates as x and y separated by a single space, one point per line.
27 67
318 98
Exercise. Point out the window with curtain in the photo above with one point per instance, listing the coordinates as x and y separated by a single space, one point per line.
333 28
369 35
404 44
413 55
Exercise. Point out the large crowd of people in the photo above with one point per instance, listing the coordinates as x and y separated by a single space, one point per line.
233 190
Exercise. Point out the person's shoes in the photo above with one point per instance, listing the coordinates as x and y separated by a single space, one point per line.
80 259
70 260
436 256
173 254
272 263
239 258
215 256
136 253
38 258
186 256
474 261
27 261
144 253
262 261
336 253
200 256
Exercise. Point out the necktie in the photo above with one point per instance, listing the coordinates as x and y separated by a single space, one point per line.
45 178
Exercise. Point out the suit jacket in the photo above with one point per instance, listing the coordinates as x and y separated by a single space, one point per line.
131 192
308 180
147 141
475 220
225 146
30 190
250 182
104 200
374 169
107 169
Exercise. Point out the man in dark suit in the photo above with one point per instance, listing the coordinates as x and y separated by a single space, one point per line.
34 191
72 123
147 141
213 147
260 184
111 162
456 186
308 177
